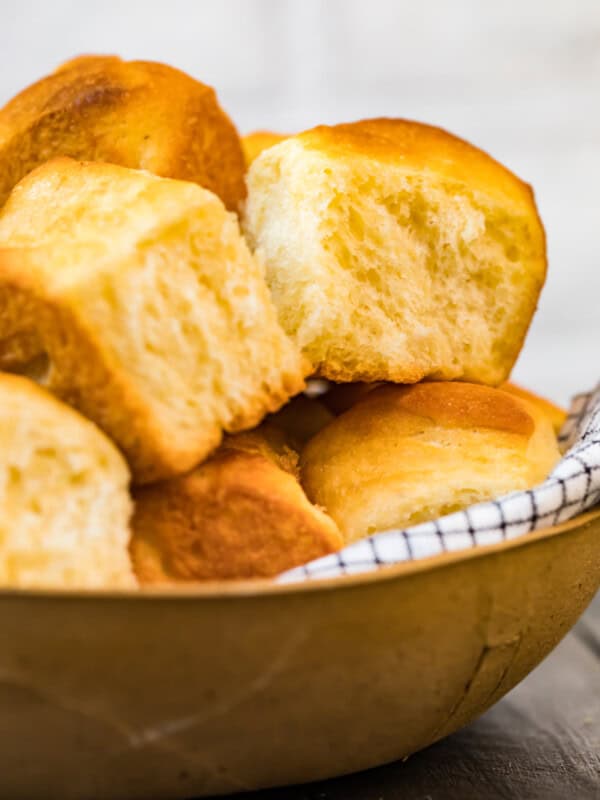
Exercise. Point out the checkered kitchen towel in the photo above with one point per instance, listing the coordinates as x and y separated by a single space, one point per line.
571 488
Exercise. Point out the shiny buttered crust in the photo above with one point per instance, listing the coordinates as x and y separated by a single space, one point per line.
404 455
254 143
241 514
339 397
135 299
64 501
396 251
138 114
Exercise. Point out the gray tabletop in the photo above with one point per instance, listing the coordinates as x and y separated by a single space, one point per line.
542 742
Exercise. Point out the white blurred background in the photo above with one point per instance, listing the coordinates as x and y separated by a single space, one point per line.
520 78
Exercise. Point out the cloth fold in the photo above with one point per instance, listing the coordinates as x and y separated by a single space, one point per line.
572 487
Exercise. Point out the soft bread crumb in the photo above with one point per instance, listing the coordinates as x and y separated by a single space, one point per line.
64 501
153 316
397 252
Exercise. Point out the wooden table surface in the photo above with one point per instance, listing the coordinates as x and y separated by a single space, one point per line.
542 742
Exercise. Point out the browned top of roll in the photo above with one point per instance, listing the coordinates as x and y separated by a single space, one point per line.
460 405
138 114
406 454
420 146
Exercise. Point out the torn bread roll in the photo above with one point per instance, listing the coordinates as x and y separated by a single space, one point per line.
396 251
254 143
135 299
137 114
64 500
241 514
404 455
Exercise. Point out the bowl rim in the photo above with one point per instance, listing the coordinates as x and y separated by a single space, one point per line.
264 587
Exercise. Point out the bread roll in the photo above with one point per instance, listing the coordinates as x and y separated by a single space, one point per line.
397 252
555 414
241 514
254 143
135 299
64 503
404 455
339 397
138 114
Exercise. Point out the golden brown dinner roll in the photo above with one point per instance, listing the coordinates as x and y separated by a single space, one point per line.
64 503
241 514
339 397
135 299
254 143
556 414
404 455
138 114
396 251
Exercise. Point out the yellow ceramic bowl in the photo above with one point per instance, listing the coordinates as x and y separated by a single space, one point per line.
178 694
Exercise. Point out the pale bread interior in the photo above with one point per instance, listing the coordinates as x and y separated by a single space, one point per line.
381 271
64 501
154 317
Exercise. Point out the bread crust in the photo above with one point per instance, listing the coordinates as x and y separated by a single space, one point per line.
461 405
404 455
254 143
422 148
556 414
63 298
138 114
340 397
241 514
352 219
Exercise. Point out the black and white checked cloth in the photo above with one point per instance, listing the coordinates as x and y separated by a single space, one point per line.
571 488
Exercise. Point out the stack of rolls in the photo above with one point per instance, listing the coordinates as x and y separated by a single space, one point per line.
167 289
